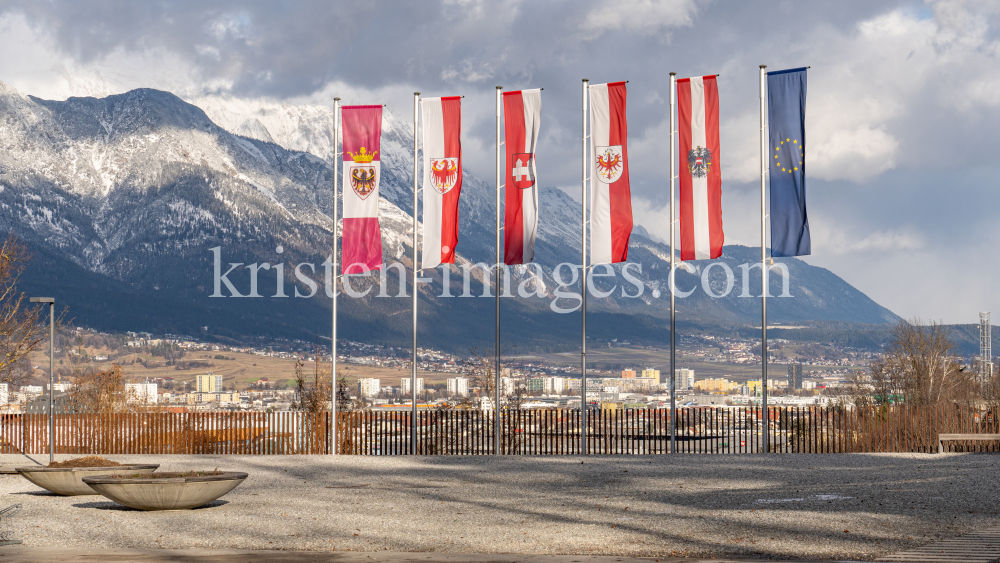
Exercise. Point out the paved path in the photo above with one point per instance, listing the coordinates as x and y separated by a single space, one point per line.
63 555
806 506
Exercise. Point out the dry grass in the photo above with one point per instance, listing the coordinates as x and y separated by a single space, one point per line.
89 461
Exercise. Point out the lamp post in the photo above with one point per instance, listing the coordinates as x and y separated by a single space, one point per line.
52 368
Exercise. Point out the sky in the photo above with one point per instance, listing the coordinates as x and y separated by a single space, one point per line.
902 112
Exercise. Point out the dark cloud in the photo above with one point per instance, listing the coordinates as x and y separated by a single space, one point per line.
902 104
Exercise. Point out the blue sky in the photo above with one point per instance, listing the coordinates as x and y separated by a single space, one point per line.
902 114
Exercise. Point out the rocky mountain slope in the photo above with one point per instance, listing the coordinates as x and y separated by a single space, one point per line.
122 200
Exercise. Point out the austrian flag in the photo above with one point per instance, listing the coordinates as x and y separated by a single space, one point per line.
362 237
700 173
522 111
442 178
610 198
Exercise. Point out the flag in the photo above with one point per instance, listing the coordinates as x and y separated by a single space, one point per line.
610 198
700 170
361 243
786 110
522 112
442 183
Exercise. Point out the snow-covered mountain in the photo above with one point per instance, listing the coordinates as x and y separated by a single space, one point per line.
122 199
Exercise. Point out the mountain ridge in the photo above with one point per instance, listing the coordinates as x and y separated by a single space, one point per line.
139 187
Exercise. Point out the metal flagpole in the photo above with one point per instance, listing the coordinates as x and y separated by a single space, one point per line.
413 375
763 256
583 280
496 349
673 324
333 283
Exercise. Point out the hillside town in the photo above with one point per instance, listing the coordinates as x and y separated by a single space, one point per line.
815 375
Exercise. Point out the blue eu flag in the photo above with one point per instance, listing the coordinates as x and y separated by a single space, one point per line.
786 109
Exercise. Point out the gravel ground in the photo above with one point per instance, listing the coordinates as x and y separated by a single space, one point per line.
843 506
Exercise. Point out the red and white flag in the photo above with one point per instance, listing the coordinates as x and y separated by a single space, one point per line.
522 112
361 248
610 198
442 183
700 170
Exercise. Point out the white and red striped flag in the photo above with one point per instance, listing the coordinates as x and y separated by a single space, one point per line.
610 197
442 183
522 112
700 170
362 236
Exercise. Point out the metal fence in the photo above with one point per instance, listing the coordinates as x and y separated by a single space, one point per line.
722 430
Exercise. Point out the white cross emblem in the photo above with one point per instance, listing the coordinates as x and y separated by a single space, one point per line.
521 170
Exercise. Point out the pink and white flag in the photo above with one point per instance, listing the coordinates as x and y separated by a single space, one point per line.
522 112
442 182
361 248
610 197
700 172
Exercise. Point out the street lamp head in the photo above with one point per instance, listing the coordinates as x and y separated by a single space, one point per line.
43 299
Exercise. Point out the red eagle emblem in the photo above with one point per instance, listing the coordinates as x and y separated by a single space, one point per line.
363 180
444 174
610 163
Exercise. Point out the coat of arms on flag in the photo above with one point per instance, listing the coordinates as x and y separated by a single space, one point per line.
363 180
699 161
362 177
610 163
523 170
444 174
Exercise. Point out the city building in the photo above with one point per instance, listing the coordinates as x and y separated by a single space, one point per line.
458 386
143 393
535 385
685 378
369 387
553 385
208 383
628 374
506 386
651 374
4 393
795 376
404 386
717 386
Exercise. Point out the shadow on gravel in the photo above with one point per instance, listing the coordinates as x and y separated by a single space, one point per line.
42 493
853 503
114 506
857 506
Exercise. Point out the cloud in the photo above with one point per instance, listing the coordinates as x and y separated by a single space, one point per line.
902 107
645 16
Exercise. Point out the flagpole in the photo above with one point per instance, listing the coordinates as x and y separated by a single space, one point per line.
763 255
333 283
496 345
413 374
583 281
673 324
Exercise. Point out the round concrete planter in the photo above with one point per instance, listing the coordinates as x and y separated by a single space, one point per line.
171 493
68 481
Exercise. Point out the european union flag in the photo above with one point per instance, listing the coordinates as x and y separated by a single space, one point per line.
786 109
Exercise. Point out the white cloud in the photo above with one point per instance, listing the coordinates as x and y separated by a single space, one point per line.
646 16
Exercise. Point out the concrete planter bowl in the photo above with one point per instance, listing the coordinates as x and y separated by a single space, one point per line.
68 481
168 493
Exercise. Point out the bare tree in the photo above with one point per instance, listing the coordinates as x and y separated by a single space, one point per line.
101 392
481 371
313 396
480 368
919 366
20 329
